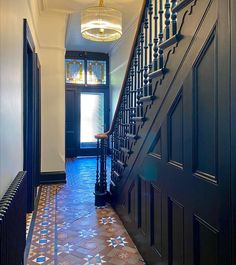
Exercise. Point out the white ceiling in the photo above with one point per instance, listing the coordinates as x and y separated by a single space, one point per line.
74 41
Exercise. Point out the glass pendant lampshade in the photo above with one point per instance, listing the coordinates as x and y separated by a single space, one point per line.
100 23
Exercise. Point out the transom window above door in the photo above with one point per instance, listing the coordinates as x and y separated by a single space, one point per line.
86 72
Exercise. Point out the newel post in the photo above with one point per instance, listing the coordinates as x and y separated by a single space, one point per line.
101 193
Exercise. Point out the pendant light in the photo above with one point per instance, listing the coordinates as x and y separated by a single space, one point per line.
100 23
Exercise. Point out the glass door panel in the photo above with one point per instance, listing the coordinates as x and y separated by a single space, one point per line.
91 118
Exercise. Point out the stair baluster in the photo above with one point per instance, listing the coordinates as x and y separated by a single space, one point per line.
142 67
150 12
113 153
101 178
174 17
123 142
145 54
135 87
167 19
139 90
161 34
97 170
132 97
155 49
121 127
116 147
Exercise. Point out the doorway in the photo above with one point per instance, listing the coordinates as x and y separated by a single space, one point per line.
87 101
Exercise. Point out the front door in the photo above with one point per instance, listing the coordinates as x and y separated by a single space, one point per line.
87 102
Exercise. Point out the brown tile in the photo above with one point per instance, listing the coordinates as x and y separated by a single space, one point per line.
69 226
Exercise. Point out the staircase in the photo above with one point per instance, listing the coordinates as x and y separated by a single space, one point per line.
155 168
151 69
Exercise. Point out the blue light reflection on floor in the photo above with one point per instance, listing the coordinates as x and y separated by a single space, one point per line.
84 171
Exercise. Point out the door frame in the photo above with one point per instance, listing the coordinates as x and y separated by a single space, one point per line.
233 128
38 120
80 88
31 114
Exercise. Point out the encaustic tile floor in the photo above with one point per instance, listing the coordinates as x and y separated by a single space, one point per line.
69 230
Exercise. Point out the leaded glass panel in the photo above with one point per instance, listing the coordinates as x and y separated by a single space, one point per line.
75 72
96 72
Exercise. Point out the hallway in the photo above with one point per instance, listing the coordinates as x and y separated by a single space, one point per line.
69 230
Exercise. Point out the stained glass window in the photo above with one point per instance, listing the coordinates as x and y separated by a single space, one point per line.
75 72
96 72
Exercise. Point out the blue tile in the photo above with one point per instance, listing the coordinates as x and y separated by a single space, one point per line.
41 259
44 232
44 223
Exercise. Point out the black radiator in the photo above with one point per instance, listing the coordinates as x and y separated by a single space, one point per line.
13 208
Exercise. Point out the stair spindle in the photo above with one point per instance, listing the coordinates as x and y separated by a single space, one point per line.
161 34
155 48
142 65
115 136
113 153
132 95
167 19
145 53
174 17
139 90
150 13
136 74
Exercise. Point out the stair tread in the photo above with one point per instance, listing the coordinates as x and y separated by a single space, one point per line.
116 150
130 135
147 98
181 5
126 150
113 183
121 163
171 41
139 119
116 173
125 124
133 91
158 73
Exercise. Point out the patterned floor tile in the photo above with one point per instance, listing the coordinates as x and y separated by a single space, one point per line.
29 217
70 230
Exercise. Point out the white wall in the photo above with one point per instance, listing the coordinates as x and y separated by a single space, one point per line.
119 56
48 33
52 58
53 110
11 71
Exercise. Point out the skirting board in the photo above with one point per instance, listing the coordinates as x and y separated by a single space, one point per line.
53 177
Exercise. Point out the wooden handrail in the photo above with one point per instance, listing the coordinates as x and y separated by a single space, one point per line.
141 16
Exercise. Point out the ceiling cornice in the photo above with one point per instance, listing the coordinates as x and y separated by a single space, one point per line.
45 9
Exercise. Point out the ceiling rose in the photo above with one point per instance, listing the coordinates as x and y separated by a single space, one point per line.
100 23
